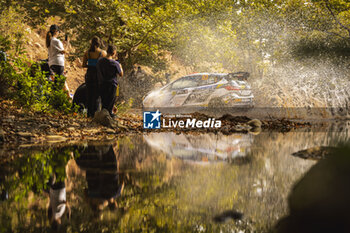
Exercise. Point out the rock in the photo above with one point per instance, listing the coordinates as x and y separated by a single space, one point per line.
2 135
78 62
44 126
228 215
102 117
55 138
24 134
316 153
110 131
110 137
76 134
240 128
255 130
254 123
228 117
91 131
226 130
71 129
38 45
122 126
75 124
9 119
55 125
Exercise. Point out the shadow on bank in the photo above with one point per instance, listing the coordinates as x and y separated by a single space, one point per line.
320 201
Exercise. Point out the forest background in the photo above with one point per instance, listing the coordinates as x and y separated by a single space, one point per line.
297 51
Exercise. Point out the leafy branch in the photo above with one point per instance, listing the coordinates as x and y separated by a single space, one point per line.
328 6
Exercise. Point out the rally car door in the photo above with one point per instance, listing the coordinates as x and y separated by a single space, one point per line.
181 89
200 94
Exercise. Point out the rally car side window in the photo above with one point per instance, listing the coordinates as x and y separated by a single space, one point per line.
185 82
213 79
209 79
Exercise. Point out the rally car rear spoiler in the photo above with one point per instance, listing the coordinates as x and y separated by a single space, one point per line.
239 75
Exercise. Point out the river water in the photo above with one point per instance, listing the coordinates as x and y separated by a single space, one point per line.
158 182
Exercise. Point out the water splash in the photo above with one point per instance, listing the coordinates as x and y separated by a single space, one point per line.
308 84
262 44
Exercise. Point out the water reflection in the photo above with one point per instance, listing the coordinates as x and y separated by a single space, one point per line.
58 206
102 175
156 182
203 147
3 190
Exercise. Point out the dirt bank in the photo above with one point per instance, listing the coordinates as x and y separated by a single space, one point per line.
19 126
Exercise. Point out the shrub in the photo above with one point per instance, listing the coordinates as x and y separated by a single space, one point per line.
13 31
5 73
29 86
22 79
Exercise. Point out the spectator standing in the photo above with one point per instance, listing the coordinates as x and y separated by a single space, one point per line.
56 50
107 71
90 61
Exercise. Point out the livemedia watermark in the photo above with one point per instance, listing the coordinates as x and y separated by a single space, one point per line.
152 120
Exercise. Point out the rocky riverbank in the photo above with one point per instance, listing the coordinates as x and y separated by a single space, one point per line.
20 126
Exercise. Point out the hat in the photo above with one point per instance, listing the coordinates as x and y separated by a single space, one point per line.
54 28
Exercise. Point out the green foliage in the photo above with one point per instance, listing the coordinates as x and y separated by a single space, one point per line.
226 35
141 30
4 43
58 97
33 171
20 78
27 84
12 31
207 35
6 72
252 35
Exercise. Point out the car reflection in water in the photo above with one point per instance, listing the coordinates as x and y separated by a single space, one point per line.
203 148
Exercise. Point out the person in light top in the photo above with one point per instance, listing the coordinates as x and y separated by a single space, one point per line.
56 53
56 50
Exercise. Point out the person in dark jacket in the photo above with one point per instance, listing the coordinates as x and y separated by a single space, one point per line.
89 61
107 71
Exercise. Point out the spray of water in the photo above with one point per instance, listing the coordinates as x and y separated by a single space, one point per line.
262 45
306 84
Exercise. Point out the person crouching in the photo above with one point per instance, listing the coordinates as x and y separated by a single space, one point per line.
107 71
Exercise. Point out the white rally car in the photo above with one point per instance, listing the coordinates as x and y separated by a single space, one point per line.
204 90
